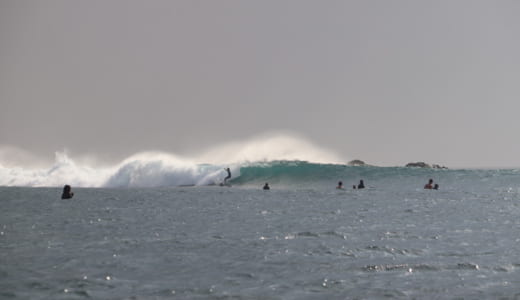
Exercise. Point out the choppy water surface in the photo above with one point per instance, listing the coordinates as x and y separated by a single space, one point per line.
244 243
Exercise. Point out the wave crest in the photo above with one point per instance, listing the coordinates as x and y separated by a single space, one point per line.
152 169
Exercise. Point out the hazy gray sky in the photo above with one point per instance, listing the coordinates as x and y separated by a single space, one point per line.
387 82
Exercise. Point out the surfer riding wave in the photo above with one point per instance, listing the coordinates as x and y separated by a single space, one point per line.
228 175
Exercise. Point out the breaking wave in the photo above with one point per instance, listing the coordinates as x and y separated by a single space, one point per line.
153 169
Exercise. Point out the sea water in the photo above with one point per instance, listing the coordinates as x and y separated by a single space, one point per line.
303 239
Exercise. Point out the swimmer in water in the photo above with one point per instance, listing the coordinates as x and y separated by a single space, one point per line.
266 186
67 194
361 184
340 185
429 185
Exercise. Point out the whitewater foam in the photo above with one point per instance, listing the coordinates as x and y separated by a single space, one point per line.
64 170
148 169
152 169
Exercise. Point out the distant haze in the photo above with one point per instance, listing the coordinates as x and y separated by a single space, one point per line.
387 82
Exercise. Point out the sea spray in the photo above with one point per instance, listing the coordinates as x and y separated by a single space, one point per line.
269 147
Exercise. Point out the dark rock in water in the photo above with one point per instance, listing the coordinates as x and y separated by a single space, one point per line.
438 166
356 162
421 164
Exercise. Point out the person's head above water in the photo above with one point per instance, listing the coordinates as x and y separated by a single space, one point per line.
67 194
429 185
340 185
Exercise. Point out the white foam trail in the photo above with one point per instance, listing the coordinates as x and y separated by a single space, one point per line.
152 169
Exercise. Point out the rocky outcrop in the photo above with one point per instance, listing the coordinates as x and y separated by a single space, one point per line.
418 164
438 167
356 162
421 164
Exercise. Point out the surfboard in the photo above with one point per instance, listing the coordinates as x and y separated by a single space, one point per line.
225 184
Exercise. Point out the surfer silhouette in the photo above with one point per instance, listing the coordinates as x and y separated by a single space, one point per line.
361 184
340 185
228 175
67 194
266 186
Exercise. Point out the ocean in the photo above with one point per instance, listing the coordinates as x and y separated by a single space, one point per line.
153 231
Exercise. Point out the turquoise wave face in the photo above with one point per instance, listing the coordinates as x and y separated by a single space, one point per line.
306 173
287 172
300 174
